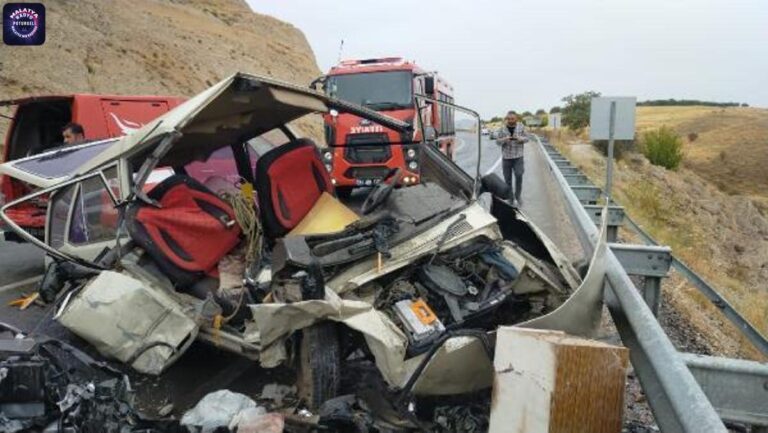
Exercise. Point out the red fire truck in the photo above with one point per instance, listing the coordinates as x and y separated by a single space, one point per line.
361 153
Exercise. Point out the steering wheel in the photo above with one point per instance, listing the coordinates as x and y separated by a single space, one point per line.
381 191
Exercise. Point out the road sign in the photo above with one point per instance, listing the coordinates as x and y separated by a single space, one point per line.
612 118
555 120
600 118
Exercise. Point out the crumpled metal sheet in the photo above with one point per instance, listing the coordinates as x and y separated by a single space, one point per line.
581 313
460 365
123 319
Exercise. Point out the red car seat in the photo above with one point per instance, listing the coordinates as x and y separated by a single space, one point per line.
188 234
289 180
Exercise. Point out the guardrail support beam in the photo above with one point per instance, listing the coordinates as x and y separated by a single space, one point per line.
576 179
738 389
650 262
615 218
587 194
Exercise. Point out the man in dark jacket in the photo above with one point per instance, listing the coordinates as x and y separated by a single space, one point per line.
511 137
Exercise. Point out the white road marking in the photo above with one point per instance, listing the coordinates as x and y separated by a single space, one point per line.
494 167
21 283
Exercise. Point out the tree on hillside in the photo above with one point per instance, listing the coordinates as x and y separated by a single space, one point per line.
576 110
554 109
544 120
540 112
527 114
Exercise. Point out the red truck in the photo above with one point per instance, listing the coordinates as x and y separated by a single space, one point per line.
361 153
35 127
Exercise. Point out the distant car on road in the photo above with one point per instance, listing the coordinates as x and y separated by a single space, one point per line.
485 131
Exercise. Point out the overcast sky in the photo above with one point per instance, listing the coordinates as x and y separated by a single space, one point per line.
502 55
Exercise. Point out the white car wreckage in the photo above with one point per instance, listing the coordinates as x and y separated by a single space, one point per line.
149 253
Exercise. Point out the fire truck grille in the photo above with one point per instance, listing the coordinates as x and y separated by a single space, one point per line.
364 173
362 149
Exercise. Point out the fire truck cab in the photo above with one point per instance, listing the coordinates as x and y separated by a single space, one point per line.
361 153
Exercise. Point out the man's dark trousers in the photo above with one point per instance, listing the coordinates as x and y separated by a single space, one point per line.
513 167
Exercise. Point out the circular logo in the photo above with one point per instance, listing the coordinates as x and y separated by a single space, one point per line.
24 22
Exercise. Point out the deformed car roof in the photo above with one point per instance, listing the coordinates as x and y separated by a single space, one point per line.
235 109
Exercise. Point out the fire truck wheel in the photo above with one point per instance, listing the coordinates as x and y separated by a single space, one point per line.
319 369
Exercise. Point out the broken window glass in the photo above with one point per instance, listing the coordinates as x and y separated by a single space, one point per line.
59 214
94 218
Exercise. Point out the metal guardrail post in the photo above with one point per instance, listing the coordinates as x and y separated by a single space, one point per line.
576 179
678 403
615 218
650 262
587 194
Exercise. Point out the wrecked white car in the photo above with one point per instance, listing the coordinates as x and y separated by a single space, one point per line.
152 251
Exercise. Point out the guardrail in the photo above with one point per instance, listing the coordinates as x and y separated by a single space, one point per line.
678 402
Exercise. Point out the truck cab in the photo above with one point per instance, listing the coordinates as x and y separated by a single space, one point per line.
362 153
36 126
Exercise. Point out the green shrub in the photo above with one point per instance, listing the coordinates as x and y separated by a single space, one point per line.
663 147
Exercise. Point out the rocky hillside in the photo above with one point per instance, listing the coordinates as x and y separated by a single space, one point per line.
152 47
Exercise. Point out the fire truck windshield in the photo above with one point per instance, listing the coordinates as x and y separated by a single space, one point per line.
376 90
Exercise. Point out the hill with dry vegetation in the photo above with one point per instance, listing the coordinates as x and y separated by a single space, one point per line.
154 47
726 146
712 211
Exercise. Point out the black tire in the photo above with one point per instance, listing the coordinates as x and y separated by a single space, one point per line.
319 369
344 193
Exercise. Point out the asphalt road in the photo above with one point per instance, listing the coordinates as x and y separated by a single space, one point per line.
542 203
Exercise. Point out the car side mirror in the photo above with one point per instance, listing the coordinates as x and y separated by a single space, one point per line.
429 86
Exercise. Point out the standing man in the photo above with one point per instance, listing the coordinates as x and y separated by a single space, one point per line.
73 133
511 137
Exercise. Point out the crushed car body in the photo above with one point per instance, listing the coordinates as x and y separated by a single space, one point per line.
268 263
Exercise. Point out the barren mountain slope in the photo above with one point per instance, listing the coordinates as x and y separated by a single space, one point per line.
152 47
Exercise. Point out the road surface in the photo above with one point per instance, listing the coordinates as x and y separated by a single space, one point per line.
542 203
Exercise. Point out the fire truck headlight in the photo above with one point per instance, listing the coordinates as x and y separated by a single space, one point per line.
328 156
329 167
413 165
411 153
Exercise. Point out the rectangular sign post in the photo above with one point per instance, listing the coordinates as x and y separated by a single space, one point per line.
612 118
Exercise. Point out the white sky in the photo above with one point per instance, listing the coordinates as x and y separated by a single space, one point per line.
502 55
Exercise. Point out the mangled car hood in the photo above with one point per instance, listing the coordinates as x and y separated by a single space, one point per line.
239 106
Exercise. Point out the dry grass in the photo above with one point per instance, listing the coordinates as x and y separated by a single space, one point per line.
671 206
730 148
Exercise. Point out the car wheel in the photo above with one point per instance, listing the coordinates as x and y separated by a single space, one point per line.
343 193
319 369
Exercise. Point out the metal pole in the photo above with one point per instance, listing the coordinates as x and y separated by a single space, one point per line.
609 171
652 293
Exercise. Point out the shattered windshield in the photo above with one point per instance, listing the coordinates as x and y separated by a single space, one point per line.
375 90
62 162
